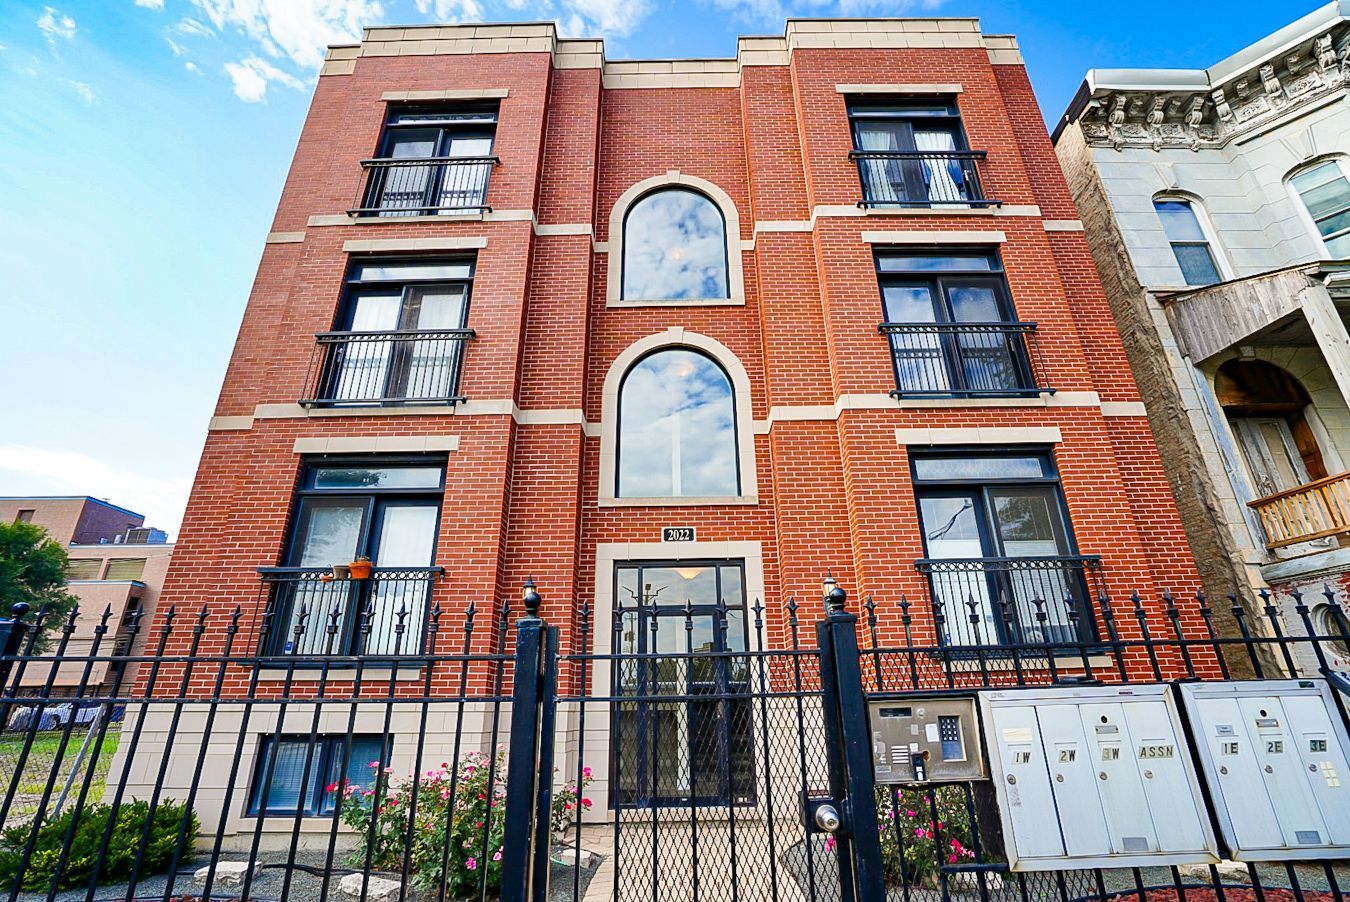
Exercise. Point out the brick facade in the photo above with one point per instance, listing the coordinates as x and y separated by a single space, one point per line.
522 490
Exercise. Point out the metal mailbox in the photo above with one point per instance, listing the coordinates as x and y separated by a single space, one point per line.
926 739
1273 754
1094 777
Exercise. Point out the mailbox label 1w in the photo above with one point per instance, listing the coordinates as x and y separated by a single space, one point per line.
677 534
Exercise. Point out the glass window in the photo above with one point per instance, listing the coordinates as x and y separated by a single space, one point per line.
404 325
25 516
1189 244
84 568
280 786
912 152
999 549
674 248
388 512
125 568
432 161
682 751
951 325
677 428
1325 192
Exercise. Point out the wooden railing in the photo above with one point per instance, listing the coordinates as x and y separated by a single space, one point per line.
1313 511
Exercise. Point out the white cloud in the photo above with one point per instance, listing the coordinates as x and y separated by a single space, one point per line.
150 4
55 24
82 90
177 48
252 75
42 471
452 10
192 67
296 29
190 26
772 13
602 18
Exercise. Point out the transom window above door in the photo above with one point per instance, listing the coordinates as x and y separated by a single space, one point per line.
952 327
400 339
431 160
387 512
912 152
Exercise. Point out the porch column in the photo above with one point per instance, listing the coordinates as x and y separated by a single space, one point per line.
1329 331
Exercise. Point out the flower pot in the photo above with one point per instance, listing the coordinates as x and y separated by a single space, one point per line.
360 569
341 571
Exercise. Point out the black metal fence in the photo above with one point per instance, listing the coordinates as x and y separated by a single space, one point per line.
651 753
424 186
382 368
965 359
925 178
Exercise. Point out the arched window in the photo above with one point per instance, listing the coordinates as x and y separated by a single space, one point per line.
674 248
677 428
1324 191
1190 240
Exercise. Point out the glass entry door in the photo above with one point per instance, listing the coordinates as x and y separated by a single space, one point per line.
685 739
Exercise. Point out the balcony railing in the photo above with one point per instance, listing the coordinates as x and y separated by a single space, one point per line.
1317 510
1013 601
310 613
965 359
926 178
385 368
424 186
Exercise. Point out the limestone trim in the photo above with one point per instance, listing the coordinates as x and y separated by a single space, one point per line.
1062 225
614 246
934 237
676 337
230 424
810 412
899 89
285 237
830 210
320 220
375 444
991 435
1124 409
451 94
394 245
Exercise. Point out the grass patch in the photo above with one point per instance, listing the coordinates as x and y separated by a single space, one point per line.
43 759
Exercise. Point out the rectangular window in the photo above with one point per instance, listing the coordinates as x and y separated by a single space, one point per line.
1189 242
683 751
1325 193
432 160
25 516
84 568
998 547
403 328
913 152
125 568
951 325
387 511
294 773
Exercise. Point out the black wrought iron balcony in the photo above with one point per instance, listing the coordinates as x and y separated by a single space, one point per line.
424 186
925 178
965 359
1014 601
353 369
311 613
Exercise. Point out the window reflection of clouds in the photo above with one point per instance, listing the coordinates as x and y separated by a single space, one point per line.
674 248
677 429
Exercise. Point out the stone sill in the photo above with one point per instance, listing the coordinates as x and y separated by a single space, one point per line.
737 500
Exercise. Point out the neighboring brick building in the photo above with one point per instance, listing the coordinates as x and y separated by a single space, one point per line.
117 566
1216 204
673 379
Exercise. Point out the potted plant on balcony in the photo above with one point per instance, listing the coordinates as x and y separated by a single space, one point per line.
360 568
342 571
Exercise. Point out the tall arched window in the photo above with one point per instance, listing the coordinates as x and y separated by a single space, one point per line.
1324 190
674 248
1191 242
677 428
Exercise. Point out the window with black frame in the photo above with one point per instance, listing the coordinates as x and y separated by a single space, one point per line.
951 324
912 151
432 160
403 326
384 511
685 739
1000 556
308 775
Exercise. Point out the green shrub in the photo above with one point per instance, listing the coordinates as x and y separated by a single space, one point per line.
92 823
913 845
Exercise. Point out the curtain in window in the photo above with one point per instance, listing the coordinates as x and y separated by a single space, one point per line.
883 178
942 176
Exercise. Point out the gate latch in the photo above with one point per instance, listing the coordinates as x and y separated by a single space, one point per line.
821 814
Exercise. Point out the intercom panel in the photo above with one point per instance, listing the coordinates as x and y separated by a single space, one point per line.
926 739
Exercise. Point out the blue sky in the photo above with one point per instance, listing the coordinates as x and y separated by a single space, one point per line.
143 144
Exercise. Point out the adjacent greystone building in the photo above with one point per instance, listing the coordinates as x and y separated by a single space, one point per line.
1217 205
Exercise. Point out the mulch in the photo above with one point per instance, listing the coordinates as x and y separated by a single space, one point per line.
1230 894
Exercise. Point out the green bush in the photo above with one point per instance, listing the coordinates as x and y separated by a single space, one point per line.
92 823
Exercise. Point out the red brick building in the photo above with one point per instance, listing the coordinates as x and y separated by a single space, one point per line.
615 326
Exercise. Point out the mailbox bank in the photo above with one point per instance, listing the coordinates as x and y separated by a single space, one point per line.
1274 757
1094 777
